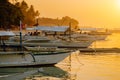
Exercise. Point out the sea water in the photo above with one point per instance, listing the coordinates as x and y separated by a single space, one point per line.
78 66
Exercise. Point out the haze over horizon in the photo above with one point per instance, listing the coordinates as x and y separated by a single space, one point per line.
95 13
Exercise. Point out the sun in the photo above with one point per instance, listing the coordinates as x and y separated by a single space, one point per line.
118 3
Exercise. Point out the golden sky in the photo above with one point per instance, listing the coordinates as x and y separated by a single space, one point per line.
95 13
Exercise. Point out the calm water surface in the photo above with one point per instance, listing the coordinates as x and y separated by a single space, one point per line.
78 66
112 41
97 66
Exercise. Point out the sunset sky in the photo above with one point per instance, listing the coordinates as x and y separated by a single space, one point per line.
95 13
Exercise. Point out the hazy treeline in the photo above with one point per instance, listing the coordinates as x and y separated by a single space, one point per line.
64 21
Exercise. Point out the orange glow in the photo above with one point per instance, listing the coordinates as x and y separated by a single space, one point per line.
118 3
96 13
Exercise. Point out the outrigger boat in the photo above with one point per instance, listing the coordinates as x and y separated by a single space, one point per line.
43 49
20 59
14 58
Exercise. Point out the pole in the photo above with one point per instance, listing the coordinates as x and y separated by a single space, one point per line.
20 35
70 31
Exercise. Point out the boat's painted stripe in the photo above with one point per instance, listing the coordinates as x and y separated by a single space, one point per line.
50 53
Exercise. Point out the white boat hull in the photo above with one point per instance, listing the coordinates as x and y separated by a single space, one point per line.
60 44
81 44
21 59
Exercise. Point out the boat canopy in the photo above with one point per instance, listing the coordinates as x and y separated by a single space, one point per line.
6 33
33 28
50 28
90 29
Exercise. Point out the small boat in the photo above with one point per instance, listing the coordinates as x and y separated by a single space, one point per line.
54 43
97 33
20 59
45 49
11 57
60 41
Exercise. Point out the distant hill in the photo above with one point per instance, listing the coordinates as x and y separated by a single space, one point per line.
64 21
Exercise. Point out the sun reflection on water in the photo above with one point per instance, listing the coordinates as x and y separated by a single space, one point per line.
112 41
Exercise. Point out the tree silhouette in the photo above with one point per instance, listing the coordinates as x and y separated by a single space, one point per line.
9 14
3 1
29 13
